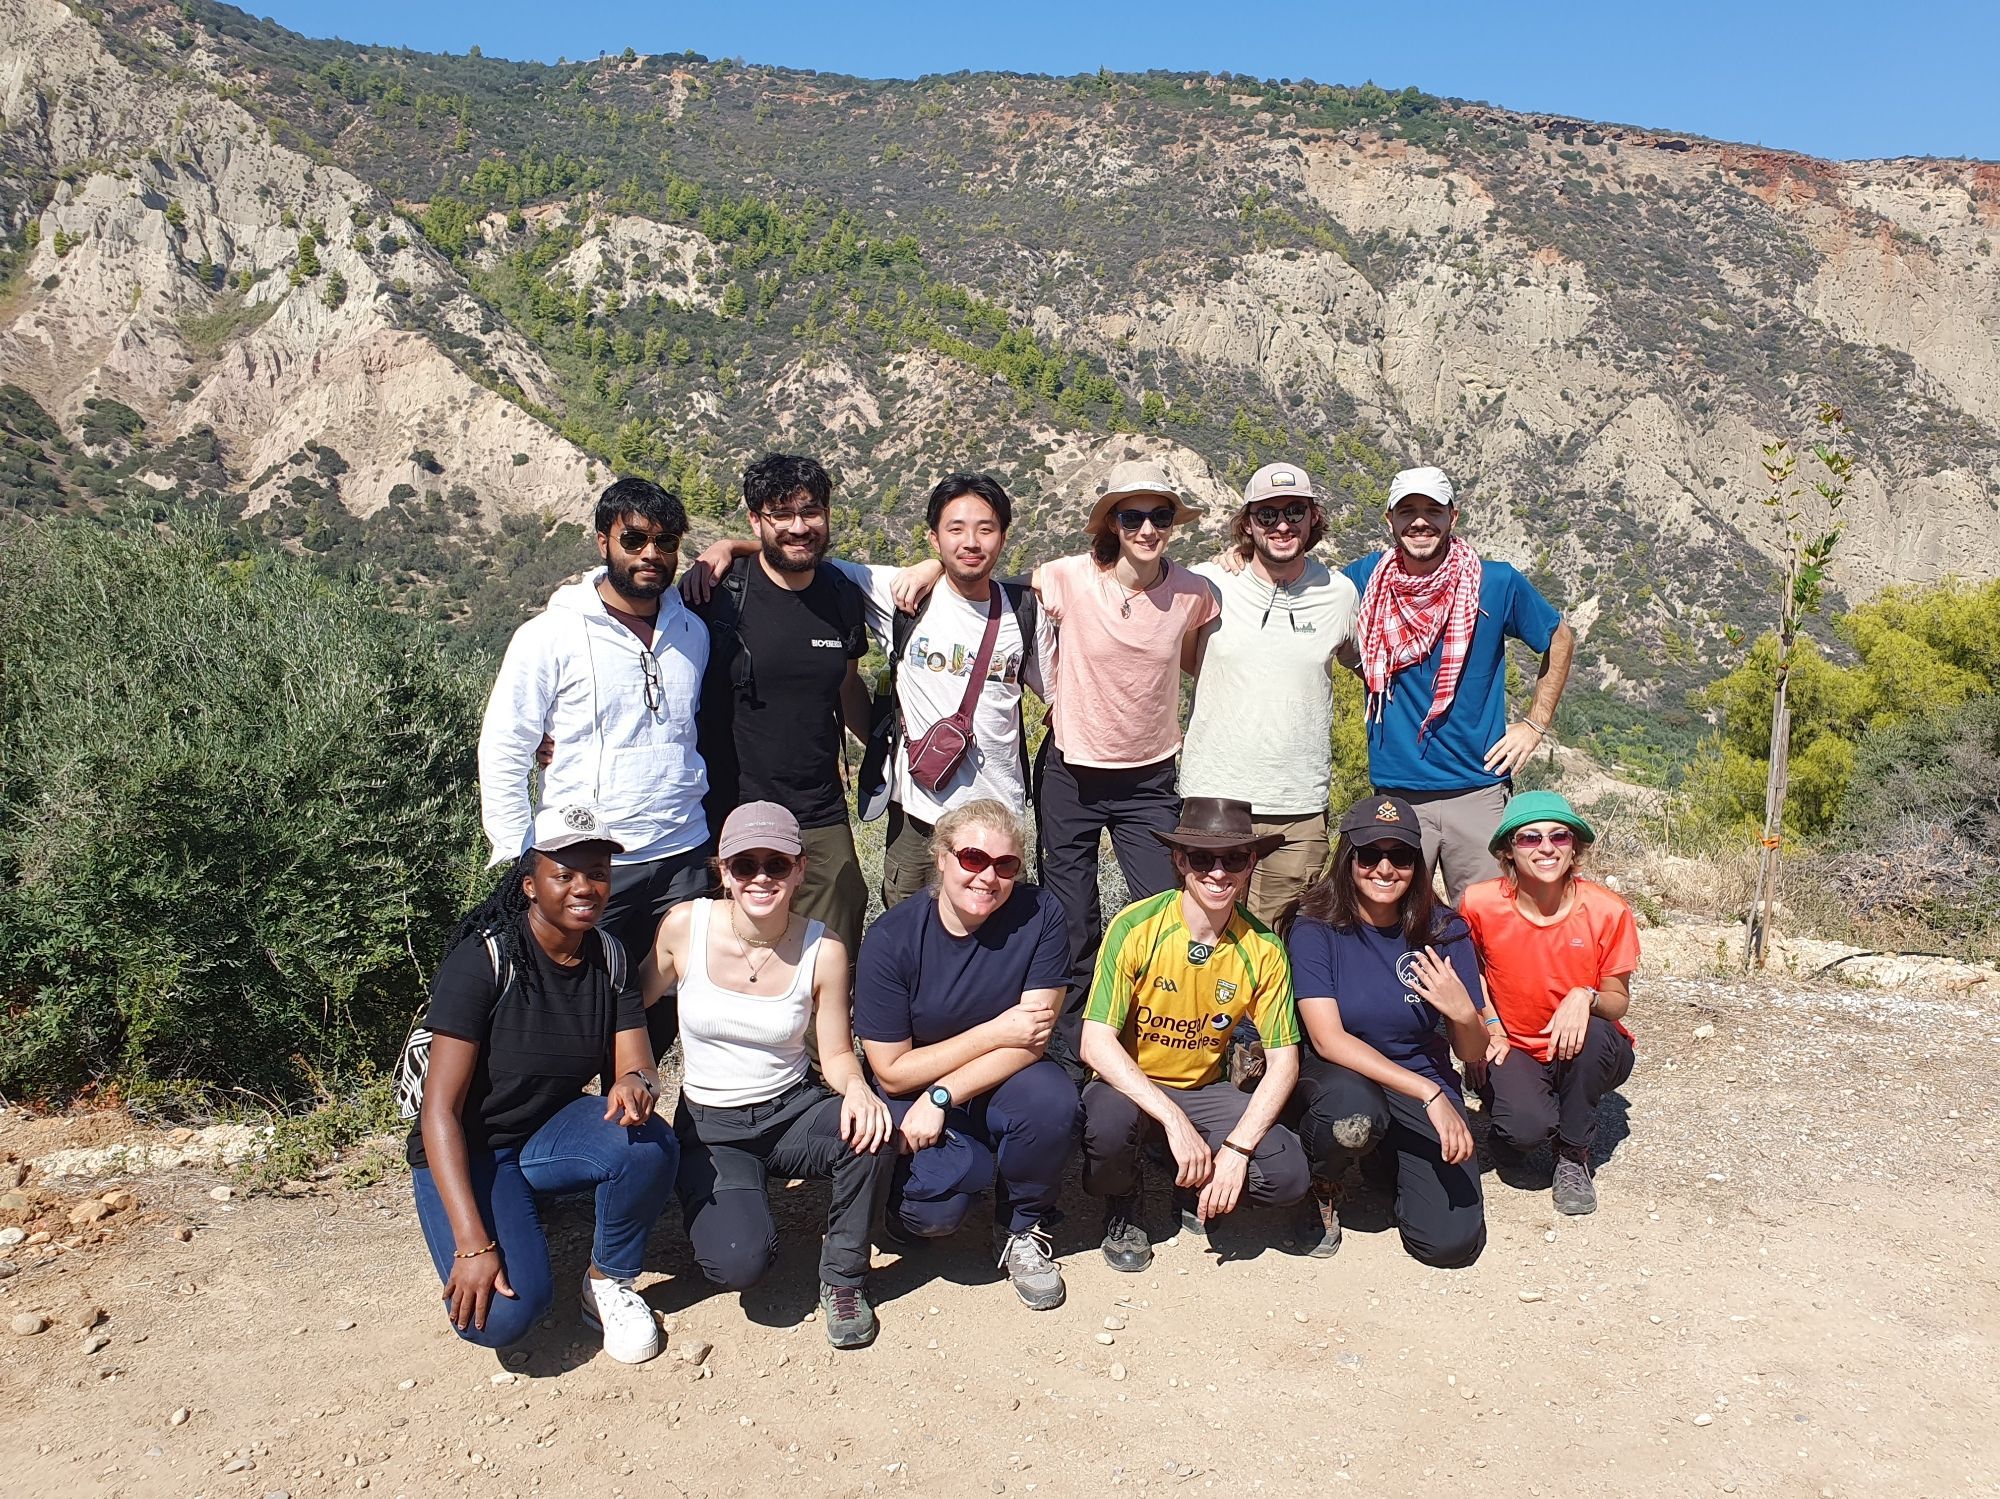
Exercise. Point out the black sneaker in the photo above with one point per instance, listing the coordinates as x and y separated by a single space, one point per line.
1188 1205
1575 1193
1126 1246
850 1320
1319 1220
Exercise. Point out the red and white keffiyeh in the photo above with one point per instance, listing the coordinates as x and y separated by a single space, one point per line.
1403 615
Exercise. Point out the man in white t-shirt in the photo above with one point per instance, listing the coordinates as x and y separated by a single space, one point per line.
1261 727
931 657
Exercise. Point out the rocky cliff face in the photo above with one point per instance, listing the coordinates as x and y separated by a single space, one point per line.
521 278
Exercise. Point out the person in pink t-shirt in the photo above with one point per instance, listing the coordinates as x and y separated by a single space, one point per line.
1127 617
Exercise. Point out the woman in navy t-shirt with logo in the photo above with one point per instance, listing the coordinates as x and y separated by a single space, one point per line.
1388 990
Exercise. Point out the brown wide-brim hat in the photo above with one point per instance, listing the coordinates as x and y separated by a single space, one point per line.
1139 478
1218 822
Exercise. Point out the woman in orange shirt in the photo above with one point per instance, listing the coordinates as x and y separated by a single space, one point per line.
1559 951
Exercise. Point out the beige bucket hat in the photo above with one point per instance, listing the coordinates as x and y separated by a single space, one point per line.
1137 478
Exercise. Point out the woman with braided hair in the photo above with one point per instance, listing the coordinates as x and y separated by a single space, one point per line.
530 1003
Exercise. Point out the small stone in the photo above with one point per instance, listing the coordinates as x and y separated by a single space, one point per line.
11 1236
277 1494
1114 1324
504 1378
27 1324
8 1269
1704 1031
696 1352
1654 1319
240 1465
1531 1295
183 1234
220 1194
1704 1419
1349 1361
97 1342
1299 1316
407 1384
1117 1371
12 1174
87 1212
1549 1237
1106 1339
180 1416
345 1324
90 1316
119 1200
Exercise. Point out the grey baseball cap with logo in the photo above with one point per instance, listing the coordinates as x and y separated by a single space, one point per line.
1279 481
759 825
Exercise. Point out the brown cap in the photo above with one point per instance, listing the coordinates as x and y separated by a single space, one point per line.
759 825
1217 822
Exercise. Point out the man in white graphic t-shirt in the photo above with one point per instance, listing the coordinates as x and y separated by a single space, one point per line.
1261 727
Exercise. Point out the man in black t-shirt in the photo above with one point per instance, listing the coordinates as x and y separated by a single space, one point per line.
786 637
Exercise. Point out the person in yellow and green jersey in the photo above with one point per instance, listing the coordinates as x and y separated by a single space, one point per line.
1177 971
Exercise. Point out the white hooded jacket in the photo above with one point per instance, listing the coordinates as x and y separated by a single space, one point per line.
575 673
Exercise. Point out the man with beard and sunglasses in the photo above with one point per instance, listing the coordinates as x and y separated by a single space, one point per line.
1178 972
1432 636
603 683
786 639
1261 729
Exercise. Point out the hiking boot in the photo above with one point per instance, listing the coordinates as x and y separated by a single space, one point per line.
1188 1205
1319 1220
1030 1266
1575 1193
1126 1246
850 1320
613 1308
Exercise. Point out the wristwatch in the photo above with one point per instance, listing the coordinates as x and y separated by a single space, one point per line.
940 1095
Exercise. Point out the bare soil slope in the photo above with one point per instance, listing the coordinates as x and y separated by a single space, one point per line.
1789 1290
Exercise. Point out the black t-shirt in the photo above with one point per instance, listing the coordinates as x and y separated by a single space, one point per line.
536 1050
780 740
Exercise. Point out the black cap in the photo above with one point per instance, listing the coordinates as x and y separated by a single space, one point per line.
1375 819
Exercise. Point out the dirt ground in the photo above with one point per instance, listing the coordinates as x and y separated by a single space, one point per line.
1790 1289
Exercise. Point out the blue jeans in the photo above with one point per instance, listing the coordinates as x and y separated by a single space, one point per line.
631 1168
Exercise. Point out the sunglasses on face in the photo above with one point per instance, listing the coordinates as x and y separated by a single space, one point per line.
635 542
1264 517
977 860
1229 860
1536 837
1399 855
746 867
1132 520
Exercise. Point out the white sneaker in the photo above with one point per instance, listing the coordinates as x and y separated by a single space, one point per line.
631 1334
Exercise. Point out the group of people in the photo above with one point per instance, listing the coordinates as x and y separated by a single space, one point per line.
661 773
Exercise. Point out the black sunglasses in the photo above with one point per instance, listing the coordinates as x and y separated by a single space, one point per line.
1267 516
1399 855
973 860
747 867
1161 516
1231 860
636 541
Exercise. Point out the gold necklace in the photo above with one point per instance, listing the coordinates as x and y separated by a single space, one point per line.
745 941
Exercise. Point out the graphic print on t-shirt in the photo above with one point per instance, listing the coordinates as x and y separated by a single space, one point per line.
924 655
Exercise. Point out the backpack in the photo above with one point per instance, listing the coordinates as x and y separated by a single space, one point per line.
885 720
413 1063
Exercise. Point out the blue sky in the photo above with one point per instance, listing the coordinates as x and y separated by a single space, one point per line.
1839 78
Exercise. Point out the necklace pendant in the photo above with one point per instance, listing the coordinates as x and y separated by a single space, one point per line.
1125 609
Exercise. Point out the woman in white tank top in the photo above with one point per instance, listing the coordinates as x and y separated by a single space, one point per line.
751 977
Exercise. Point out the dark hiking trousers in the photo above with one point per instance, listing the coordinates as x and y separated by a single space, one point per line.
1343 1116
1535 1102
1115 1130
1074 805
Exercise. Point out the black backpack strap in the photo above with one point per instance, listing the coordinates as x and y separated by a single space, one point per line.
1021 599
726 619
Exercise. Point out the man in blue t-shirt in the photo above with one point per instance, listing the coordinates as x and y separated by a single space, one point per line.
1431 639
955 996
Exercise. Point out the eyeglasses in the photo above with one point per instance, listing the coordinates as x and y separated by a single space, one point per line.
1264 517
977 860
636 541
651 667
1230 860
1536 837
1399 855
806 513
746 867
1161 516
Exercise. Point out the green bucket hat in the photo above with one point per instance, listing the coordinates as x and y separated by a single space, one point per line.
1539 806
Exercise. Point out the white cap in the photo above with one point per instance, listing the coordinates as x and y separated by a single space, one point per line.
563 827
1427 481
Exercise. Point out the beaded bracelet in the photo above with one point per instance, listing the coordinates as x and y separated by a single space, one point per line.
473 1254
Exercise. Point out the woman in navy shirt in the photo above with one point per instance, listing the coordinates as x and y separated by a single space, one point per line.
1388 989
